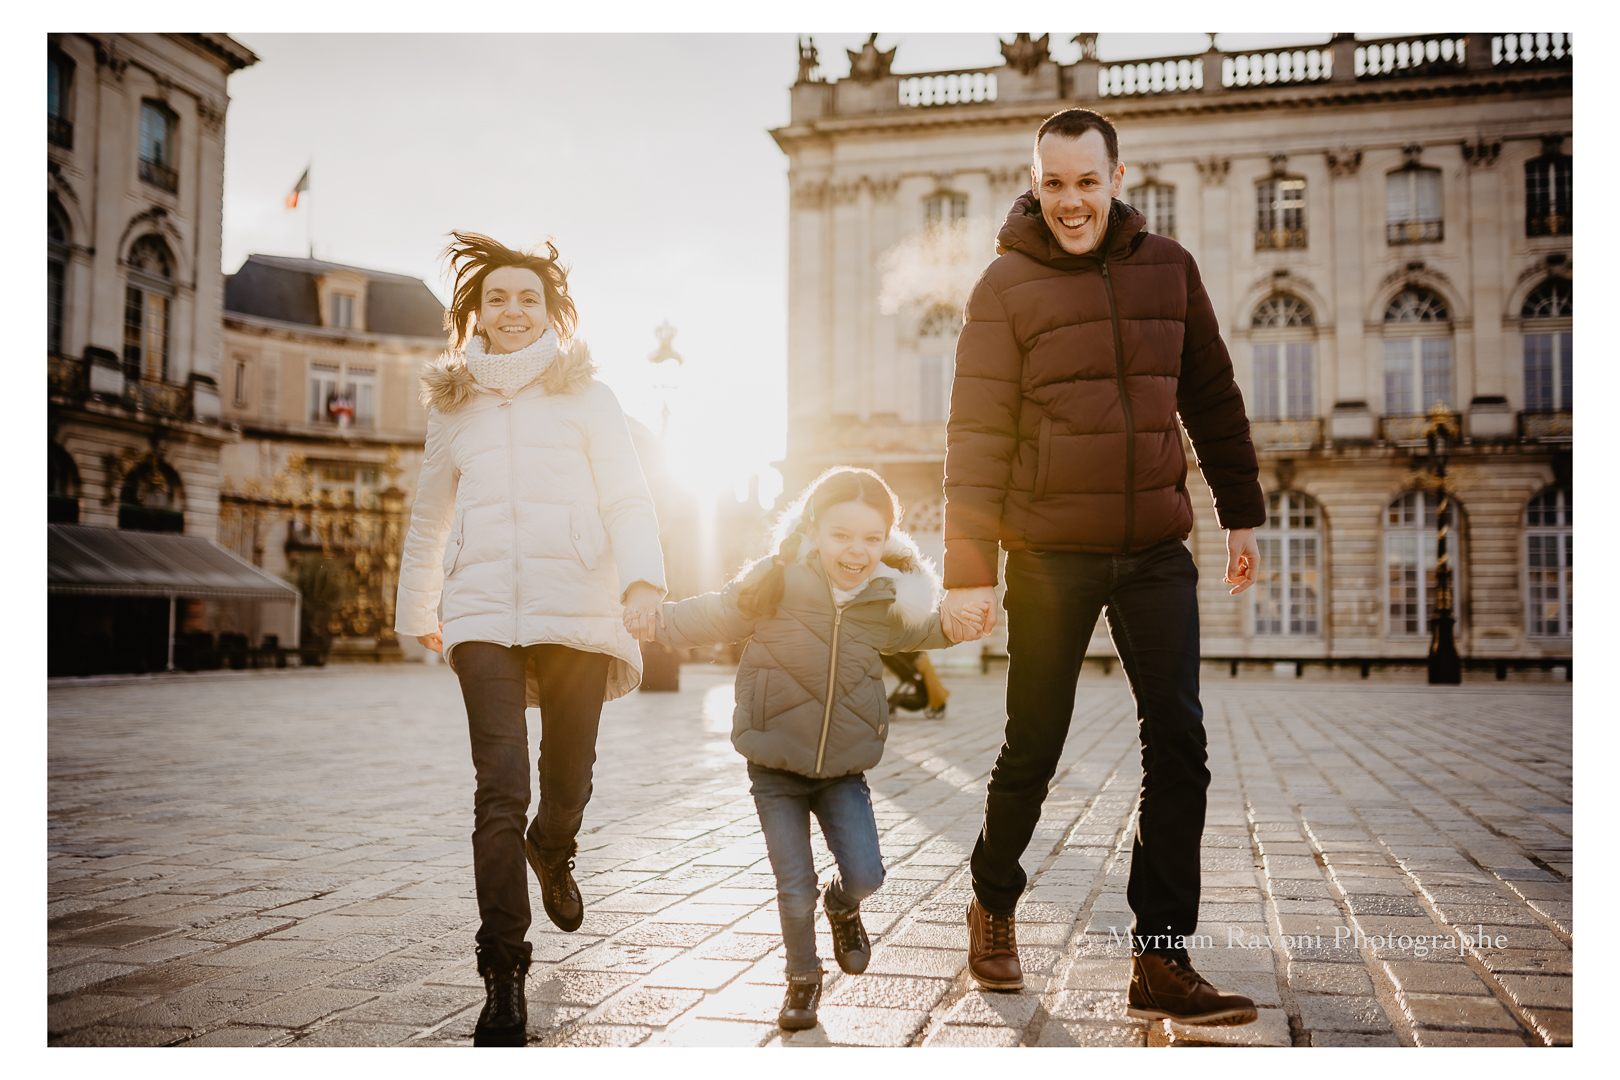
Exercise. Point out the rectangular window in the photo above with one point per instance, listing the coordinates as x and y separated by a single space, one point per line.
342 310
1549 209
944 209
1412 206
1302 585
157 146
240 397
59 86
1549 371
1409 392
1410 582
1280 214
1267 385
1436 373
323 383
146 334
1158 204
55 290
1268 601
362 387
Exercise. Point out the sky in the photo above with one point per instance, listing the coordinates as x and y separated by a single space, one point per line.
646 157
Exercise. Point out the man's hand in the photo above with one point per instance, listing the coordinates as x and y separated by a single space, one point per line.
643 611
957 614
1242 559
434 641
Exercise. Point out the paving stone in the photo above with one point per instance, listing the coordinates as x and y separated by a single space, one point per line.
417 1006
1426 1037
279 975
1556 1026
900 960
1341 1012
847 1025
1270 1028
121 1036
1068 1033
348 1033
1458 1011
197 1007
230 1035
303 1007
693 973
1434 978
604 1035
575 987
972 1035
1306 976
652 1006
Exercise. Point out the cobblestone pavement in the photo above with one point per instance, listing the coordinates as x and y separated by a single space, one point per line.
271 858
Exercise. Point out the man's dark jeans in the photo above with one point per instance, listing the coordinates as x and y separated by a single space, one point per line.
493 679
1053 599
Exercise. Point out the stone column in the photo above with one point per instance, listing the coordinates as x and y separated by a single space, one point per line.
1351 418
1483 215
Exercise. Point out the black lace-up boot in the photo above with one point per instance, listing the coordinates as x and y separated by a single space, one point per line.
800 1004
557 888
505 1019
851 947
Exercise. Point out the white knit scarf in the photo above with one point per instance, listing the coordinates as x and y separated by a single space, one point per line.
507 373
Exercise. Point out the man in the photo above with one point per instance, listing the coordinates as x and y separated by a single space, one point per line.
1083 341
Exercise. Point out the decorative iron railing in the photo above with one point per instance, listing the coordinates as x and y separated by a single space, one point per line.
1279 239
159 175
1171 75
1414 232
1547 425
1286 434
158 397
1405 429
59 131
1281 66
67 376
953 88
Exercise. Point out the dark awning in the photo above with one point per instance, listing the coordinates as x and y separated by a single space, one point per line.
85 561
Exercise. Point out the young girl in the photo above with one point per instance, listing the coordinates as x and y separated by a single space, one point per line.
843 587
534 524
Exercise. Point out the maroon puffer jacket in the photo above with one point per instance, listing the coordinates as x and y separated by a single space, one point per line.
1070 372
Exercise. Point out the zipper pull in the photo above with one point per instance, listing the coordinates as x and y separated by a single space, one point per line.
1105 268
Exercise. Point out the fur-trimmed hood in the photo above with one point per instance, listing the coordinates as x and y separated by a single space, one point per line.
447 384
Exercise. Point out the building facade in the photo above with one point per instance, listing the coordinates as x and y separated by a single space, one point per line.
135 190
320 391
1383 226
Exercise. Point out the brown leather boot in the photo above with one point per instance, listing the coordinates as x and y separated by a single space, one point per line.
557 888
1165 988
993 950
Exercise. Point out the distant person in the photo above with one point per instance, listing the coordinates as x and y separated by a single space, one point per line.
533 517
1083 343
842 587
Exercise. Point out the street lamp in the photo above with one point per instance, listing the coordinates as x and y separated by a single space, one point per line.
1445 667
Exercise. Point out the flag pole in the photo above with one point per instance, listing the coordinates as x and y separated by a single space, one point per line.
309 213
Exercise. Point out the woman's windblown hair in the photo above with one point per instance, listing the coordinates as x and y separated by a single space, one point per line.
474 255
760 592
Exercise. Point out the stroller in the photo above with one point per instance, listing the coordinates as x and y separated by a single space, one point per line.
920 688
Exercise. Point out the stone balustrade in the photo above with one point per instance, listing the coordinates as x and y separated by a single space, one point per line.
952 88
1523 50
1278 66
1136 78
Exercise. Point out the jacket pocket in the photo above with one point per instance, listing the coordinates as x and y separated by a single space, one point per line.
761 678
457 541
587 533
1043 458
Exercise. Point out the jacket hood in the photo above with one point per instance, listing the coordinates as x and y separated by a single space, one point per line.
447 384
1026 231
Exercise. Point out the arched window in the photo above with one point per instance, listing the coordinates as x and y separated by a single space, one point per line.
1410 540
1549 552
1412 205
1287 595
936 363
63 506
1549 209
944 208
58 243
1417 353
148 304
1549 347
151 499
1279 213
1158 204
1284 334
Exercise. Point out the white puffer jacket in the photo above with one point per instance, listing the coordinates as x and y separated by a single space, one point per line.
532 516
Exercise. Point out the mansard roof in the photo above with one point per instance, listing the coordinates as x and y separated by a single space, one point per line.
284 289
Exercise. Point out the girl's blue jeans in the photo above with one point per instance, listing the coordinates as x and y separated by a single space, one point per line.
843 806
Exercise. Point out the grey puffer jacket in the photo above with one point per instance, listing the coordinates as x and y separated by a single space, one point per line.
810 696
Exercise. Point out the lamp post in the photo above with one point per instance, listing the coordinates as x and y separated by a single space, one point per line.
1445 667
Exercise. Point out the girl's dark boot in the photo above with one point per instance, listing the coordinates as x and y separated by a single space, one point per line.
799 1006
505 1019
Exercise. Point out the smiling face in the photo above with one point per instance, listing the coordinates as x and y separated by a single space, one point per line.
850 537
513 312
1076 181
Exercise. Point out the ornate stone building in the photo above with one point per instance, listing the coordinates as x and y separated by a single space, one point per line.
135 187
1383 226
319 386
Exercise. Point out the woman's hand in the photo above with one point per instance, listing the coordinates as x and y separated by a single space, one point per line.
643 611
434 641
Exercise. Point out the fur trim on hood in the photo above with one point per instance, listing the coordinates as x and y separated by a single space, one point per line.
447 385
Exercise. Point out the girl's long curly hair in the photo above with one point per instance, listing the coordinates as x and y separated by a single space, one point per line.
473 255
759 593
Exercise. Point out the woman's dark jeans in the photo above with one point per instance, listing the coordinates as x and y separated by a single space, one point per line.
843 806
493 681
1053 599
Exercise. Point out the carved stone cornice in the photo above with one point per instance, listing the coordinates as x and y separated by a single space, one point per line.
110 57
212 114
1343 162
1213 170
1279 164
1008 175
1480 153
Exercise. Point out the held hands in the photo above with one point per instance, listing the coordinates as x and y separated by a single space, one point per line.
434 641
1242 559
968 614
643 611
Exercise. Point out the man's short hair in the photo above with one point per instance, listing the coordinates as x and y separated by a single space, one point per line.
1073 123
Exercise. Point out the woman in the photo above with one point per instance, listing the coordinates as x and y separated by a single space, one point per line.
533 518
